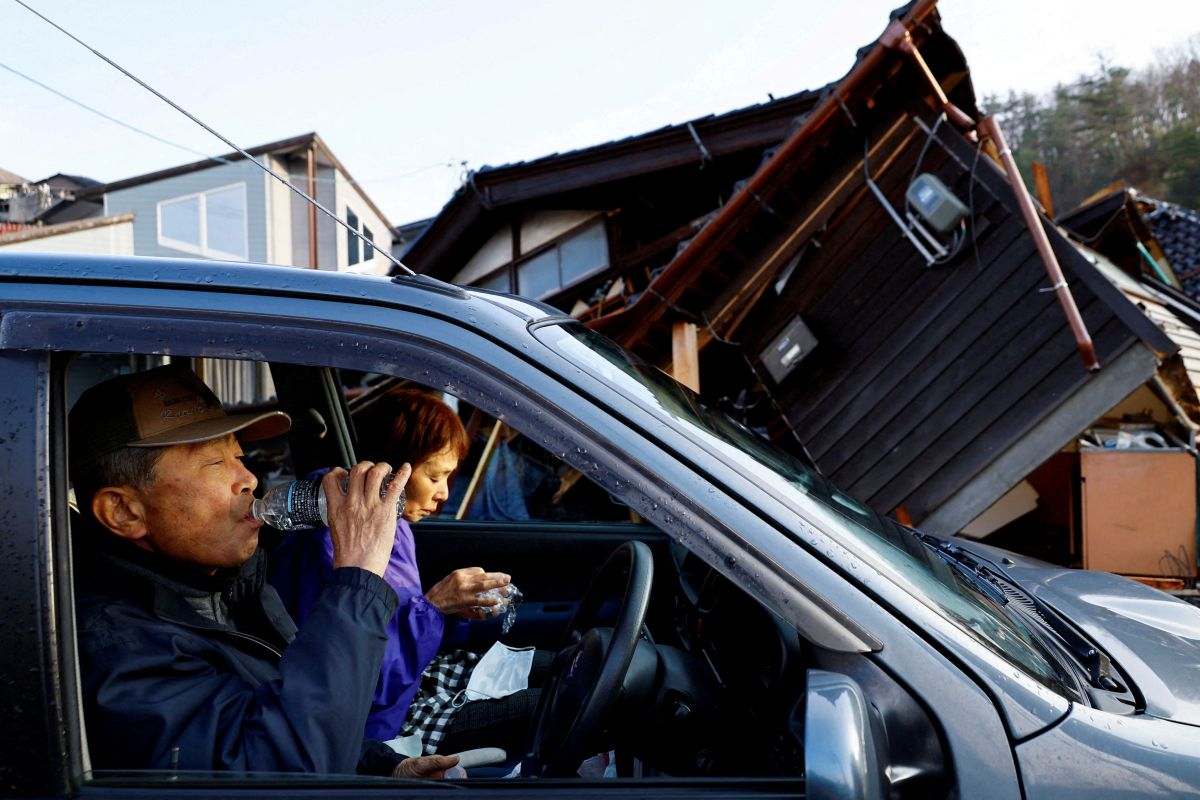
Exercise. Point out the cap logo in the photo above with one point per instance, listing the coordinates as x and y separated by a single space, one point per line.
198 404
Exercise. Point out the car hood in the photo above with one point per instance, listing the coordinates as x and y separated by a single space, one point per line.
1152 636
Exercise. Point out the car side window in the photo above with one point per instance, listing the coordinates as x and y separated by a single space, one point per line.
505 476
571 466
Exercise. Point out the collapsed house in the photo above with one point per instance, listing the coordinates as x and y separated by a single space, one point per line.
852 272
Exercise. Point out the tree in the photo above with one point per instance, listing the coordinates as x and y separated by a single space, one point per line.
1113 125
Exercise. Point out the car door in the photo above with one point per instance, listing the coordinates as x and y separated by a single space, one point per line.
687 509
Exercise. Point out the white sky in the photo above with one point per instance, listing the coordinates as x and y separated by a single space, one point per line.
404 92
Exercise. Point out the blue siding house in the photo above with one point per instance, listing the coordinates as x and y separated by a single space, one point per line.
224 208
227 208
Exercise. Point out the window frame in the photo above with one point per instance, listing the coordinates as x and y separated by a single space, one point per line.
203 249
296 341
512 267
352 243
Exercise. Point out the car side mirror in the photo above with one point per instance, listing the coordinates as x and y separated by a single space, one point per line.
842 753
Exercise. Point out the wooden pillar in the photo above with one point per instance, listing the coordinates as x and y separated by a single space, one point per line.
685 355
312 209
1041 182
480 469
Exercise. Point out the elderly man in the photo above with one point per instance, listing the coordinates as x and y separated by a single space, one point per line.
189 660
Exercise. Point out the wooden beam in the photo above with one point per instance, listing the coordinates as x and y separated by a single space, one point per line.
685 356
1041 183
480 468
728 311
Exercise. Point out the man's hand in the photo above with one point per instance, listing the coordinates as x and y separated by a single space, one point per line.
362 524
458 592
424 767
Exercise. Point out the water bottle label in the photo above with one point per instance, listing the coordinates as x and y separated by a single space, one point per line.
302 501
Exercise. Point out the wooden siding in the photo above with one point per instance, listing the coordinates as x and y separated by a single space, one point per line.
923 375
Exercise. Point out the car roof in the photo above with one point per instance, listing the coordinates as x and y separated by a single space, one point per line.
470 306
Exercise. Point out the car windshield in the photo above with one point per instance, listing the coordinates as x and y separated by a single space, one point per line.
896 550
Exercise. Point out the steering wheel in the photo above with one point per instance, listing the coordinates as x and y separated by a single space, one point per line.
588 671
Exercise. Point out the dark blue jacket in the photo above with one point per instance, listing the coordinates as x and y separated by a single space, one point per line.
195 672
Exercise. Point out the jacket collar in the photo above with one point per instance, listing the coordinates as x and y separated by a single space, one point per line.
176 591
233 600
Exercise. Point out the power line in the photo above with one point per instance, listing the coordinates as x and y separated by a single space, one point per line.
111 118
218 159
199 122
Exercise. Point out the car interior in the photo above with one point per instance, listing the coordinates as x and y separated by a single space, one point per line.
693 679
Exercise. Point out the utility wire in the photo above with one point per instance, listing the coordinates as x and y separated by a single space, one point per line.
110 118
218 159
199 122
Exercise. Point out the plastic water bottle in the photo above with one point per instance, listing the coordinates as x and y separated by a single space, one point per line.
301 504
510 598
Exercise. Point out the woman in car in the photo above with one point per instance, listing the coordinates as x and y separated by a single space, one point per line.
410 425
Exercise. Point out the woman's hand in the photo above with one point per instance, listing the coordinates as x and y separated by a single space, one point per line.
424 767
458 592
362 524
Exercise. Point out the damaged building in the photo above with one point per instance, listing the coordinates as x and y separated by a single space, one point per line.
853 272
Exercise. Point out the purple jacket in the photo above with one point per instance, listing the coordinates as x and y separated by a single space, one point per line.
302 565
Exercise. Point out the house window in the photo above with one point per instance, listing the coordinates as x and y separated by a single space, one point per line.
351 238
572 257
211 223
539 276
497 282
356 249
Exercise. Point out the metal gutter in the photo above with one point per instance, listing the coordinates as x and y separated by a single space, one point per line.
310 170
1083 341
898 36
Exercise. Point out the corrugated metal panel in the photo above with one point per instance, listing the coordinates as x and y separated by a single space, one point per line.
1159 312
238 382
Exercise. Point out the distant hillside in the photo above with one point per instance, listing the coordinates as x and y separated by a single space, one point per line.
1140 126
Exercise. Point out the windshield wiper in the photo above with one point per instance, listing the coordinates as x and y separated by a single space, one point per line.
1096 665
992 582
978 576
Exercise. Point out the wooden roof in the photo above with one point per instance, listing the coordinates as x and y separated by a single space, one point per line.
609 173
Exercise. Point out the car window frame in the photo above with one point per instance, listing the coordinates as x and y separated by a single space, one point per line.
123 328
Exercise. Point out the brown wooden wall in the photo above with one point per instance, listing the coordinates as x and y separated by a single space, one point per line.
924 374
